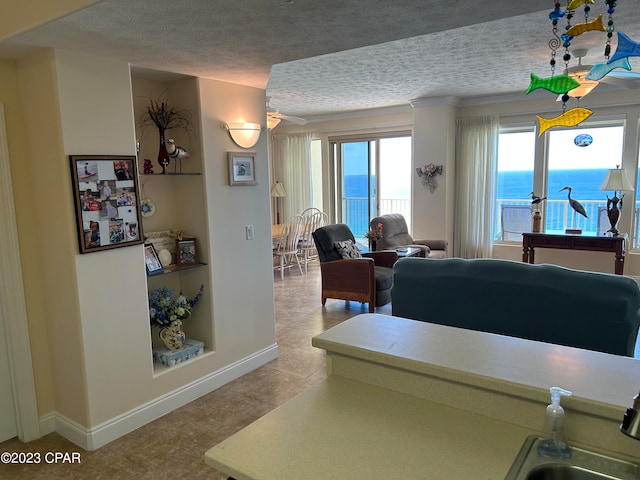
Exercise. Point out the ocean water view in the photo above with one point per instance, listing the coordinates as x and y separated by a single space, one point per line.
585 183
515 185
512 185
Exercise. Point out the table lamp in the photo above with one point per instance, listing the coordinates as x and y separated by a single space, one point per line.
616 180
278 191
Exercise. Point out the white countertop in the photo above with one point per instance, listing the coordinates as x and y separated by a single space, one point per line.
514 365
408 399
341 428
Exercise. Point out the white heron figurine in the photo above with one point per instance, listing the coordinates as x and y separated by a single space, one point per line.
576 205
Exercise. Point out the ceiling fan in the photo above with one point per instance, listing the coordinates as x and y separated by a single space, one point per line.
274 117
620 78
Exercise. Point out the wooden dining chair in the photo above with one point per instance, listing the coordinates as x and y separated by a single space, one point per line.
286 247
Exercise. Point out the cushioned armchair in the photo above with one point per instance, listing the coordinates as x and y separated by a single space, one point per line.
367 278
395 234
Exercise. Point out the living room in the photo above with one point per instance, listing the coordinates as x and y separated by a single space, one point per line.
67 101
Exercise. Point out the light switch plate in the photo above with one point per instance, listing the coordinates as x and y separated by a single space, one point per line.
249 232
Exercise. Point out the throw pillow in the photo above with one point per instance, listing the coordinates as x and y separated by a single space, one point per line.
348 249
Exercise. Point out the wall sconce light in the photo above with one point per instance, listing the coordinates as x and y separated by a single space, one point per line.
245 135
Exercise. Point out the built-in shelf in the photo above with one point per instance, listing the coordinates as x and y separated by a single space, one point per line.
175 268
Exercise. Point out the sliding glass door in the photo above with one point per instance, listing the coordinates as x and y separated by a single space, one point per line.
373 177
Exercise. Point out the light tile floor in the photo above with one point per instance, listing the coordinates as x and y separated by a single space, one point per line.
173 446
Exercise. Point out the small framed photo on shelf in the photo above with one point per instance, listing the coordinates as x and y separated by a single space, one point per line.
186 252
151 260
106 194
242 168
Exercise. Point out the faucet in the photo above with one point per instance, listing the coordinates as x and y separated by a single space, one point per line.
631 422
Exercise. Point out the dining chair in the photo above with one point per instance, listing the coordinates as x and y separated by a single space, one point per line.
286 247
314 218
514 220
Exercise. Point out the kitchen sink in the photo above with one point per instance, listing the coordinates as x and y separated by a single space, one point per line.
582 465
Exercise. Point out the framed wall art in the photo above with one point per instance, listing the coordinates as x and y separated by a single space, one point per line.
242 168
186 252
105 190
151 260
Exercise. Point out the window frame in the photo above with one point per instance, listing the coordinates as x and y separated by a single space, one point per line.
541 164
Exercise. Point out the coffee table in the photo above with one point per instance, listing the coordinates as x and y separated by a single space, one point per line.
408 252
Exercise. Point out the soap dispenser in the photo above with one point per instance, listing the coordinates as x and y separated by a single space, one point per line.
554 442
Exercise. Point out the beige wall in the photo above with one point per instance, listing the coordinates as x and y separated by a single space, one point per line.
434 142
26 205
87 314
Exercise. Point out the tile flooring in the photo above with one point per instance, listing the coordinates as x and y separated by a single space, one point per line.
173 446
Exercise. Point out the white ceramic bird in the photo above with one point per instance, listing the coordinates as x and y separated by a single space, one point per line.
175 151
535 199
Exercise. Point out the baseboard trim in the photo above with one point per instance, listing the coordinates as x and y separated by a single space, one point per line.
96 437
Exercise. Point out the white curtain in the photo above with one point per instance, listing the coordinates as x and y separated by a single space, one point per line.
290 160
476 161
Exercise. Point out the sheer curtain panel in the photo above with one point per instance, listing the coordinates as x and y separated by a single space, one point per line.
476 157
291 158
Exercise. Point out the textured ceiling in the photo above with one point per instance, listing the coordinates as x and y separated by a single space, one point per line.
323 57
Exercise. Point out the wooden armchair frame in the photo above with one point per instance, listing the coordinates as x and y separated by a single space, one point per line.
352 278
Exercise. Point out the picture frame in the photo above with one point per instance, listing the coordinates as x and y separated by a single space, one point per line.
107 202
187 252
151 260
242 168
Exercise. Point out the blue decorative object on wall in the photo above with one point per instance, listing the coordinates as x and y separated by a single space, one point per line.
583 140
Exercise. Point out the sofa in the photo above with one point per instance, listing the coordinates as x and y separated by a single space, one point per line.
395 234
546 303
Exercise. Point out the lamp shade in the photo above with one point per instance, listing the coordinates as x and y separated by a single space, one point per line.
616 180
278 191
245 135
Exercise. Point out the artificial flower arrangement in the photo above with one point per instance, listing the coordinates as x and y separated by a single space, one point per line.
165 311
374 235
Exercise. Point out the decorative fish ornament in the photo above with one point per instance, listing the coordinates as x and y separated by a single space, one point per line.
580 28
570 118
626 48
601 69
573 4
557 84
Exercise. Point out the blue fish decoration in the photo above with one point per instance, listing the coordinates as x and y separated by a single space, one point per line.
601 69
626 48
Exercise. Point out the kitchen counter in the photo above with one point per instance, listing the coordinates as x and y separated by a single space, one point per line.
342 428
411 399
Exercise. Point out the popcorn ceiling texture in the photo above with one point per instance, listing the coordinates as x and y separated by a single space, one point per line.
330 56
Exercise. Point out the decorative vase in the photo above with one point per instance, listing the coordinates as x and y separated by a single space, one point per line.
163 156
172 336
374 245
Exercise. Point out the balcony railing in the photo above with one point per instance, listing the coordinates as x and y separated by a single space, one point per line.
558 216
355 212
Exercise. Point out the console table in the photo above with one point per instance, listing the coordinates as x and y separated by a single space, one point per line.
590 243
